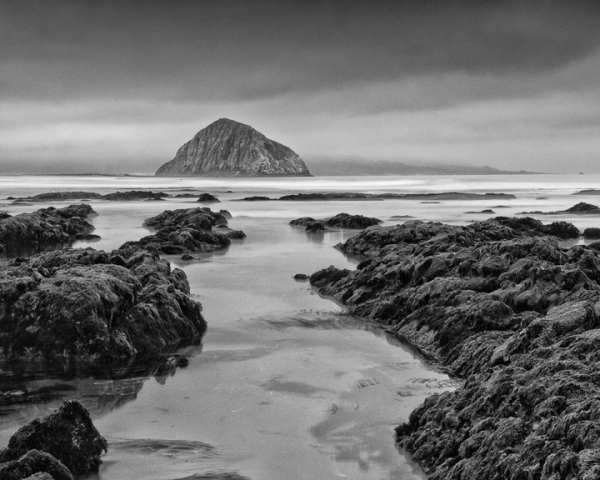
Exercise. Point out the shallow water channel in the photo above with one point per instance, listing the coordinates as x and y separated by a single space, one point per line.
284 385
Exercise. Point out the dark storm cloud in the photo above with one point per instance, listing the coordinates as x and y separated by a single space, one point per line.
228 50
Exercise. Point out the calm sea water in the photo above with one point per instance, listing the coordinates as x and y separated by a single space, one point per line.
285 384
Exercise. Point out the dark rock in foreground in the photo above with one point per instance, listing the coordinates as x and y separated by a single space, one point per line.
207 198
188 231
592 233
35 465
229 148
88 305
43 228
501 305
67 434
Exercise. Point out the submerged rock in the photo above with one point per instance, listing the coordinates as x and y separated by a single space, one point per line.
501 305
188 231
229 148
44 228
67 434
88 305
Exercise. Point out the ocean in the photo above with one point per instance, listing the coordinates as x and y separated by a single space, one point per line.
285 384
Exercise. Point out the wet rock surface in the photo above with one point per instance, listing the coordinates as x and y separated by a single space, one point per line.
93 306
405 196
67 434
501 305
341 220
34 465
134 195
207 198
44 228
582 208
188 231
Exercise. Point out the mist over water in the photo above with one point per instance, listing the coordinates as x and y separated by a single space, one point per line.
285 383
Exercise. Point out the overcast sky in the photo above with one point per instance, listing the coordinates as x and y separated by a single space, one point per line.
119 86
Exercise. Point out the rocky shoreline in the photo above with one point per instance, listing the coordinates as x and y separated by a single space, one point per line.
80 308
500 305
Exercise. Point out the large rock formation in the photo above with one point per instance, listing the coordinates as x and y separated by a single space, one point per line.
187 231
44 228
501 305
89 305
229 148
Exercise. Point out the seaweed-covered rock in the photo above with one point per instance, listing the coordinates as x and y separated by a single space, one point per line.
315 227
188 231
133 195
34 465
89 305
68 434
345 220
503 306
62 196
341 220
592 233
44 228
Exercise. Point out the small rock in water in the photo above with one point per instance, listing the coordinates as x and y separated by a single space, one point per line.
301 277
67 434
207 198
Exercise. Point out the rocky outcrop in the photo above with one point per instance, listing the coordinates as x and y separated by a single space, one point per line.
92 306
229 148
591 191
592 233
67 434
581 208
502 306
207 198
44 228
399 196
134 195
35 465
341 220
188 231
62 196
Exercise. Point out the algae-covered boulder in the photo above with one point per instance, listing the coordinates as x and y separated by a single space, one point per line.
188 231
89 305
44 228
68 434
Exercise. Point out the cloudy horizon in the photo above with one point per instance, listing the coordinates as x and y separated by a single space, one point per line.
118 87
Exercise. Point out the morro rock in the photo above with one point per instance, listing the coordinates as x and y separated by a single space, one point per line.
229 148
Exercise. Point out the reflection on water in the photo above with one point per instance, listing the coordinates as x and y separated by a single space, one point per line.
28 391
286 387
